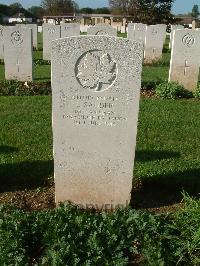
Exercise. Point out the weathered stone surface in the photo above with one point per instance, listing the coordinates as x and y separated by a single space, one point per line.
102 29
18 53
185 58
137 32
40 29
96 84
154 41
70 29
34 32
33 27
1 42
173 28
50 32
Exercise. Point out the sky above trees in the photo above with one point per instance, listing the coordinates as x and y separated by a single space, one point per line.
180 6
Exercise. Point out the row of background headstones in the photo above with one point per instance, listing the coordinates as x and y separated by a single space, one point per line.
153 37
50 33
137 31
184 66
153 46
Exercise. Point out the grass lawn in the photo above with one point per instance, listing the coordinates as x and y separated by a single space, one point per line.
167 156
26 140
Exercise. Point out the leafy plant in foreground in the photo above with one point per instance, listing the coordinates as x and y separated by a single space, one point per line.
171 90
197 92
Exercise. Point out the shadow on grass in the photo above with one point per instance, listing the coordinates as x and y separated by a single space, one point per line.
145 156
25 175
163 190
8 149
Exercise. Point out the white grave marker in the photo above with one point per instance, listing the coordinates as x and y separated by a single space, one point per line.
34 32
154 41
33 27
102 29
96 83
185 58
18 53
173 28
70 29
137 32
50 32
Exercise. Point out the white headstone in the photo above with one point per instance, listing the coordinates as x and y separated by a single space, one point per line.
137 32
39 29
70 29
154 41
1 42
83 28
33 27
173 28
123 29
130 31
185 58
96 84
102 29
50 32
18 53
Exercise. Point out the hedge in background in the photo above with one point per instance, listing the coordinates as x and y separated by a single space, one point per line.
18 88
167 90
35 62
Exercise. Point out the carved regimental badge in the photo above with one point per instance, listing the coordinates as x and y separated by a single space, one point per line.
96 70
188 40
16 38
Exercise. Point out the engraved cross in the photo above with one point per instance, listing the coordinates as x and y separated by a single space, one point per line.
18 65
186 67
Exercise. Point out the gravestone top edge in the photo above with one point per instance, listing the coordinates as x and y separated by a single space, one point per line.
61 40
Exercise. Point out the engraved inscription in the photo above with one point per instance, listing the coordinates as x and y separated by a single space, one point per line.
101 32
154 32
51 30
1 32
188 40
96 70
92 110
16 38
